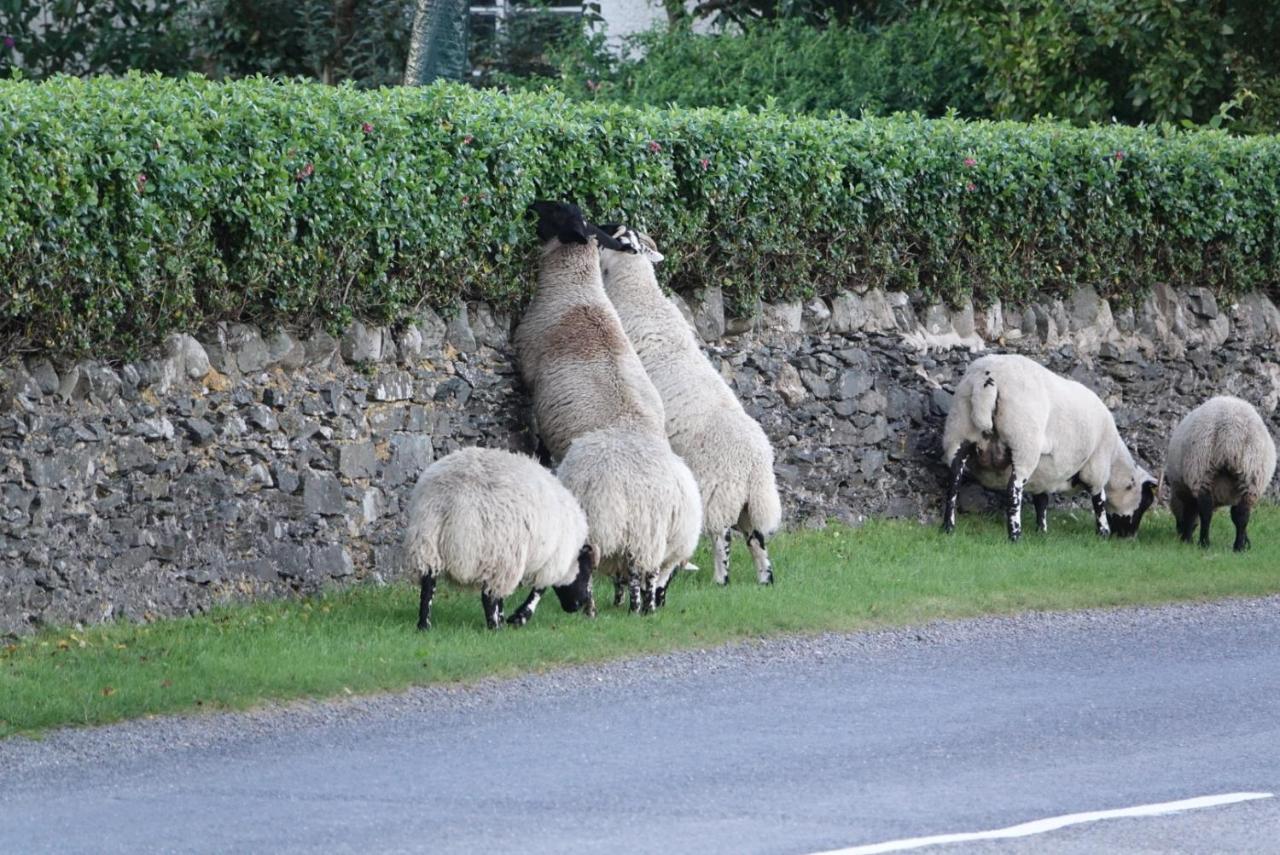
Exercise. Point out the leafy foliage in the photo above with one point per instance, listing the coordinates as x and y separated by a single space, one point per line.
1136 60
915 65
365 41
92 37
140 205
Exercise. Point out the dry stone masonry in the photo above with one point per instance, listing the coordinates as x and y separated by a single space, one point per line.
252 464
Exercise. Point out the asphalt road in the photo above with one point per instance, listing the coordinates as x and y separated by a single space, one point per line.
787 746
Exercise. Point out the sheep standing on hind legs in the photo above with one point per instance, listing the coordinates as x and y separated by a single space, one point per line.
1021 428
726 449
495 520
1221 453
600 416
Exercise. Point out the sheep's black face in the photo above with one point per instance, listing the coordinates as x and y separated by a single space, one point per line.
1126 525
561 221
574 596
605 237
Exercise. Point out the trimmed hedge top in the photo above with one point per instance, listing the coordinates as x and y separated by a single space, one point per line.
133 207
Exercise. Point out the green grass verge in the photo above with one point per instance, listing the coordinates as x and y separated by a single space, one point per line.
363 640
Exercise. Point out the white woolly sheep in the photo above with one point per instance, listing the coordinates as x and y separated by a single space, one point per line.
496 520
642 506
1221 453
1023 428
586 381
726 449
574 356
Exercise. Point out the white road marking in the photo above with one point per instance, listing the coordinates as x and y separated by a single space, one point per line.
1053 823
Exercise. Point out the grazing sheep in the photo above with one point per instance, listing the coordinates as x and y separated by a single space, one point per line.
496 520
642 506
726 449
1221 453
1023 428
599 413
573 353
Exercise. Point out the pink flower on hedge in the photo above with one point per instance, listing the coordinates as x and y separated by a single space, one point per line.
971 187
140 181
305 172
970 162
466 200
467 139
1119 155
10 41
704 163
367 127
592 85
654 145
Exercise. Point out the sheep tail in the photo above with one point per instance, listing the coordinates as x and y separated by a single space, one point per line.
982 403
764 507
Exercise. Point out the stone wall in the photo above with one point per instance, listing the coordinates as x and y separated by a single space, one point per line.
244 465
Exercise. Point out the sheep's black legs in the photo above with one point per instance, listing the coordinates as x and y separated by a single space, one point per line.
424 601
1185 514
633 583
649 596
1204 504
618 590
1240 516
522 615
1100 513
1041 502
958 464
1014 510
660 595
721 549
764 567
492 609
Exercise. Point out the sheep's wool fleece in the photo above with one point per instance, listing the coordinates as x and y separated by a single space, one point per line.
726 449
640 498
1054 428
575 357
495 520
1222 446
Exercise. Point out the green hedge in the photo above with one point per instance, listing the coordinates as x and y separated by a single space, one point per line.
132 207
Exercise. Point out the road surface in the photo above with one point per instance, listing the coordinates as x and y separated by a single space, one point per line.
784 746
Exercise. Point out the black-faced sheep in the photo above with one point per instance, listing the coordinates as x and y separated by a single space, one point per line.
495 520
591 393
573 354
726 449
1221 453
1021 428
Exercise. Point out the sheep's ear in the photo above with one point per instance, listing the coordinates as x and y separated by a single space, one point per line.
646 246
651 253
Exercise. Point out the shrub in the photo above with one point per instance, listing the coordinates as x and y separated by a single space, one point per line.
137 206
912 65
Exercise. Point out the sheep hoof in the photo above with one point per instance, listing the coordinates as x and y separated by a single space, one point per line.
1243 546
723 583
519 618
768 577
424 625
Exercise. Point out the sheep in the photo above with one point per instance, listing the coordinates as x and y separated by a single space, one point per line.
1221 453
726 449
1023 428
642 504
590 392
573 354
496 520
